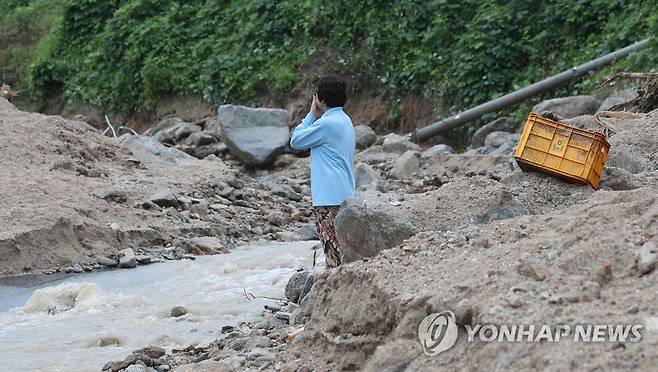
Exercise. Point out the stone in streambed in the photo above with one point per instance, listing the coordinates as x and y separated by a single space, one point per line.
177 311
127 259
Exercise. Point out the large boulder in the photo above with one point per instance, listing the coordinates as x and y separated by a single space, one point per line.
365 136
503 124
255 135
367 224
569 107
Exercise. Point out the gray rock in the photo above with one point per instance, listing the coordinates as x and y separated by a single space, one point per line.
203 245
375 155
618 98
127 258
307 231
398 144
148 149
296 285
308 285
163 124
184 130
497 139
646 258
198 139
77 268
406 165
503 124
254 135
364 175
107 262
217 149
438 149
136 368
365 136
367 223
128 262
212 126
568 107
484 150
165 198
164 138
177 311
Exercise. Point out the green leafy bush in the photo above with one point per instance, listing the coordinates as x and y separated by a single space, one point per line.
127 54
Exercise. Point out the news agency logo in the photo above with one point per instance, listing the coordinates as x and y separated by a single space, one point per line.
438 332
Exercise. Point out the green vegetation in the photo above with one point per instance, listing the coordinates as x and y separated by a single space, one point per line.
127 54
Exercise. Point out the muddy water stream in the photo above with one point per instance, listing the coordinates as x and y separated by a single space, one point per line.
50 323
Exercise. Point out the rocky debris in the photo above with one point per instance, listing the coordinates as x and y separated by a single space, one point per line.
568 107
406 165
177 311
198 139
497 139
503 124
204 245
151 356
255 135
376 155
364 136
148 149
437 149
256 345
620 97
367 224
127 259
398 144
107 261
299 285
165 198
496 143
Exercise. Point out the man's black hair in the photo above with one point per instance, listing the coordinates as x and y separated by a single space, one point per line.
332 90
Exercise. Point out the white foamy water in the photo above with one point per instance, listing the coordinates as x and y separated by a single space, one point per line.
57 327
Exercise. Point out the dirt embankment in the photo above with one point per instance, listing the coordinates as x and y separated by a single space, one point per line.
566 255
71 197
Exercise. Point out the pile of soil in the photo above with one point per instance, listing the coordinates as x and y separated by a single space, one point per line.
71 197
504 248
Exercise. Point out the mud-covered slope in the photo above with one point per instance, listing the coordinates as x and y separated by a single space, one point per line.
55 178
568 256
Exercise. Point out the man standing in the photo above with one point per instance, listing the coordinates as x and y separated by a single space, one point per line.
328 132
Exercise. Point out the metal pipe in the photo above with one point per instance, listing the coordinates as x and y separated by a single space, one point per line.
432 130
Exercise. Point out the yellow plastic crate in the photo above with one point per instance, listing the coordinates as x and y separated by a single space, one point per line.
574 154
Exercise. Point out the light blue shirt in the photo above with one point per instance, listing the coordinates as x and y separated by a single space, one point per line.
332 144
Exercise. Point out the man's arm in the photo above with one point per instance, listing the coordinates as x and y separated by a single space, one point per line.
307 135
